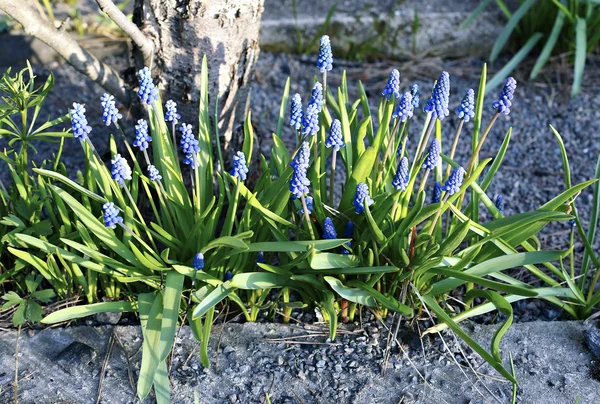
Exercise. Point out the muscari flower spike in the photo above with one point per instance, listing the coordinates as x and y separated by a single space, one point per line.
400 149
436 197
228 276
296 112
325 60
440 96
299 182
142 139
171 114
499 203
316 96
404 110
309 205
401 177
329 232
260 257
348 233
455 181
79 123
393 85
362 196
433 156
414 92
148 93
240 169
335 136
198 261
153 173
466 109
504 101
311 120
189 145
120 170
110 113
111 215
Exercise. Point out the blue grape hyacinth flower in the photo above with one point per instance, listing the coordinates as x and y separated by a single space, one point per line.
171 114
79 123
362 196
111 215
260 257
504 101
120 170
404 110
440 96
189 145
414 92
433 155
153 173
455 181
393 85
329 232
401 177
228 276
142 139
325 59
296 112
148 93
436 197
348 233
499 203
198 261
299 182
110 113
466 109
311 120
335 136
309 205
240 169
316 96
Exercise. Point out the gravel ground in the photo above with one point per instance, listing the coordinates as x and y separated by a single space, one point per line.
298 364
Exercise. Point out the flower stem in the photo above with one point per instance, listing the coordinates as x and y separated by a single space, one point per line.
332 176
437 214
424 181
307 217
454 145
475 155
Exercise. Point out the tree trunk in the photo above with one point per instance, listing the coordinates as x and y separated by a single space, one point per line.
183 31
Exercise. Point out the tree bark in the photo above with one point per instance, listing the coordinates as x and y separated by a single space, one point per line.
227 31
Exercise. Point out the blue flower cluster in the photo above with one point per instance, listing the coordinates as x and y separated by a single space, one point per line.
79 123
362 196
393 85
148 93
198 261
436 197
455 181
296 112
153 173
311 120
402 175
504 101
299 182
438 103
142 139
499 203
316 96
240 169
433 156
414 92
111 215
309 205
171 114
120 170
404 110
189 145
110 113
335 136
329 232
466 109
325 60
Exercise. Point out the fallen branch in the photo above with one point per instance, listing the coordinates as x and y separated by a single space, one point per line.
83 61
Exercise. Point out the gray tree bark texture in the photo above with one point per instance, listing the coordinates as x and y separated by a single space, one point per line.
183 31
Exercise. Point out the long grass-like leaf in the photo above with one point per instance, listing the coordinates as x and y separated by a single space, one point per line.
509 27
580 54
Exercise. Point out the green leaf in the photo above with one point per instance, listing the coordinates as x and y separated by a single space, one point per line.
478 10
259 280
219 293
151 317
351 294
296 246
226 241
509 27
71 313
330 260
549 46
170 314
580 53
